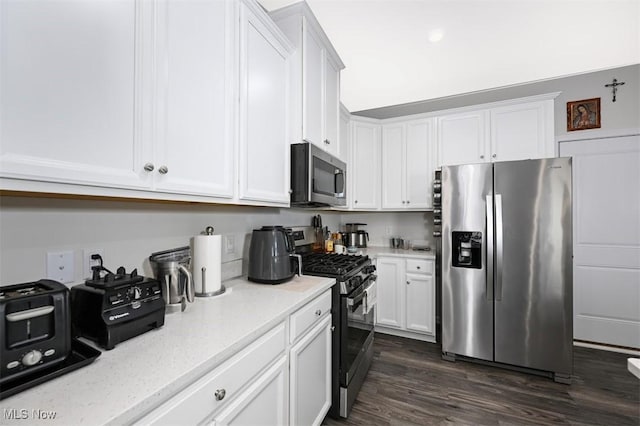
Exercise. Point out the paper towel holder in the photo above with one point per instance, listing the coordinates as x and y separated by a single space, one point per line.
200 271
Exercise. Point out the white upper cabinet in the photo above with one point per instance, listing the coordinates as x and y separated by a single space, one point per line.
462 138
518 129
73 103
316 85
193 149
407 164
265 70
364 167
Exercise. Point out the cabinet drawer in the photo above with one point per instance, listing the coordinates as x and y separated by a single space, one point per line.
221 385
418 266
309 315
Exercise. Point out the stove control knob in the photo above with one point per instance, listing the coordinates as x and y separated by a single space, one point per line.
137 293
31 358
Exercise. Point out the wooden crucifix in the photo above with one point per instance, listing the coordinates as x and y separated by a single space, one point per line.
614 87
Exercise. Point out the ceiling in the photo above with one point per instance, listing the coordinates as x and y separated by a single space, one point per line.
485 44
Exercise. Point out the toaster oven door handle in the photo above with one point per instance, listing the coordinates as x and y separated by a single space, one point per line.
30 313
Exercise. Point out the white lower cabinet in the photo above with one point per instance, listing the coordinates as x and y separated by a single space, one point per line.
264 403
406 297
310 376
284 377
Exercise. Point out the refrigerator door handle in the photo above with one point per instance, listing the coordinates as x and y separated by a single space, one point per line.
499 247
489 245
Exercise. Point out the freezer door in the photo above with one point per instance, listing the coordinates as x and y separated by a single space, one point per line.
533 258
467 306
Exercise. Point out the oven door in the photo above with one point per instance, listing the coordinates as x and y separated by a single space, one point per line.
356 330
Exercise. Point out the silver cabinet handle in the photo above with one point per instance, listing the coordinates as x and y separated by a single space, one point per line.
163 170
437 234
318 312
220 394
149 167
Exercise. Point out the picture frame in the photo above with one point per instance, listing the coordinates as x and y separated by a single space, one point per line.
583 114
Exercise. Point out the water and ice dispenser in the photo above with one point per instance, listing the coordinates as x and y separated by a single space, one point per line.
466 249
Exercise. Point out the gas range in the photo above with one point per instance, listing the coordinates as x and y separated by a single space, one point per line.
350 271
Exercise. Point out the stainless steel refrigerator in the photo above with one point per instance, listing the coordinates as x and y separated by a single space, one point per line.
506 263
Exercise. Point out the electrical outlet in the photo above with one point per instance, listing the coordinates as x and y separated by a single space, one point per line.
60 266
229 244
88 262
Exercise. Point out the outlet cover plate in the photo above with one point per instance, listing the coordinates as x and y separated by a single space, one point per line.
60 266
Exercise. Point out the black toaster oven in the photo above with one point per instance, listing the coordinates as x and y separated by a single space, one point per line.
35 327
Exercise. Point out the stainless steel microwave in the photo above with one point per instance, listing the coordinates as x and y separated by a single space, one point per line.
318 178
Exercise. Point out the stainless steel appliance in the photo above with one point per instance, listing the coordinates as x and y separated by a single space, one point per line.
271 255
115 307
356 237
317 177
352 316
35 328
171 268
506 263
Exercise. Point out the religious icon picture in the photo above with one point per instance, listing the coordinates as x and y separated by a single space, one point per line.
584 114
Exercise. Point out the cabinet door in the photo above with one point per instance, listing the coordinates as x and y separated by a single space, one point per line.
393 170
195 98
72 98
313 85
345 138
331 106
462 138
391 292
419 164
519 132
310 381
420 303
264 113
264 403
365 166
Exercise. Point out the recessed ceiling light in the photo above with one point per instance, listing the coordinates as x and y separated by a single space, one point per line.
435 36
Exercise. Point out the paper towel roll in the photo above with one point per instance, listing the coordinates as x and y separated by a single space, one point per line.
207 256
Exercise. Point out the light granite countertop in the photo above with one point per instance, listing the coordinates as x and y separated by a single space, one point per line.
123 384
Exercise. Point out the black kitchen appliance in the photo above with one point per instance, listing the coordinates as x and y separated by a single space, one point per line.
112 308
352 344
35 328
317 177
272 257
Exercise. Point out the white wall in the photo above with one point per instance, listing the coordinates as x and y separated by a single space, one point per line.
128 232
382 226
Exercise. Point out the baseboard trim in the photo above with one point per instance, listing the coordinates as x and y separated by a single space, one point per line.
606 347
403 333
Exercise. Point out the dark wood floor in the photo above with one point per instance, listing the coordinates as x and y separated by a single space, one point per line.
409 384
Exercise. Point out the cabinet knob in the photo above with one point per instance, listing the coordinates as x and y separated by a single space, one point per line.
163 170
355 202
408 201
403 202
220 394
333 328
318 312
290 191
327 141
494 155
417 267
148 167
408 282
482 157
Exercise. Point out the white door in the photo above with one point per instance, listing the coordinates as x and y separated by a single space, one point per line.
310 381
264 114
313 86
331 106
264 403
72 100
393 166
606 239
462 138
419 164
365 166
391 292
194 146
518 132
420 303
